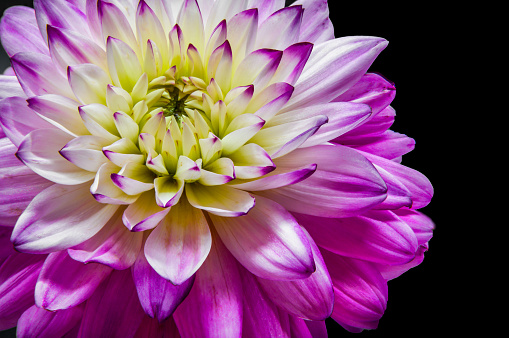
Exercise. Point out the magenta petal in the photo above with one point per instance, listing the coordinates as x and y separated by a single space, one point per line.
398 196
64 282
421 224
151 327
268 242
18 275
292 63
311 298
213 308
360 292
17 120
37 322
158 296
9 86
301 328
38 75
114 245
389 145
375 126
376 236
114 309
19 31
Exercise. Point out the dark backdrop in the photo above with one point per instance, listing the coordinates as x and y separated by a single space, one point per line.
427 299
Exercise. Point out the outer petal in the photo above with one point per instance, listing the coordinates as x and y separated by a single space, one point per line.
345 184
158 296
18 275
58 218
37 322
213 308
19 31
268 242
150 327
316 26
376 236
333 67
114 309
311 298
64 282
179 244
39 150
286 22
266 7
9 86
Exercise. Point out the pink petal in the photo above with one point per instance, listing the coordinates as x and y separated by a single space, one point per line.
421 224
38 75
398 196
60 217
213 308
268 242
179 244
114 245
37 322
373 90
9 86
333 67
158 296
316 26
18 275
393 271
344 185
64 282
61 14
390 145
311 298
376 236
114 309
375 126
17 120
301 328
286 22
292 63
39 150
19 31
150 327
360 292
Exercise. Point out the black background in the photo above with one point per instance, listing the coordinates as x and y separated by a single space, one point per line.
421 59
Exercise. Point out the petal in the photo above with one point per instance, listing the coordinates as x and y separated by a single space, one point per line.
333 67
257 68
390 145
123 64
213 308
292 63
9 86
148 27
39 150
316 26
38 75
266 7
114 246
190 20
345 184
286 22
60 217
242 31
421 225
115 24
158 296
270 100
85 152
37 322
88 82
268 242
240 130
17 120
60 111
64 282
251 161
375 126
376 236
179 244
18 275
105 191
61 14
19 31
219 200
144 213
114 309
310 298
360 292
168 191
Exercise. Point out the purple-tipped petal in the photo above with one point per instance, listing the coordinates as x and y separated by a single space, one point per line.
257 68
114 309
114 246
219 200
398 196
60 217
360 292
123 64
270 100
64 282
88 83
292 63
17 120
316 26
144 213
158 296
39 150
286 22
18 275
38 75
268 242
310 298
421 224
333 67
115 25
85 152
179 244
251 161
213 308
376 236
345 184
390 145
190 20
277 179
19 31
61 14
37 322
9 86
266 7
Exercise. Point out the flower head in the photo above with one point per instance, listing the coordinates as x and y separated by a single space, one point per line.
220 164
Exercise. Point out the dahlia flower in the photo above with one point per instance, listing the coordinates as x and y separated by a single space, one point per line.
198 168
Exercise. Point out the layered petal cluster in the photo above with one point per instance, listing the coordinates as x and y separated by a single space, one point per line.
198 168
